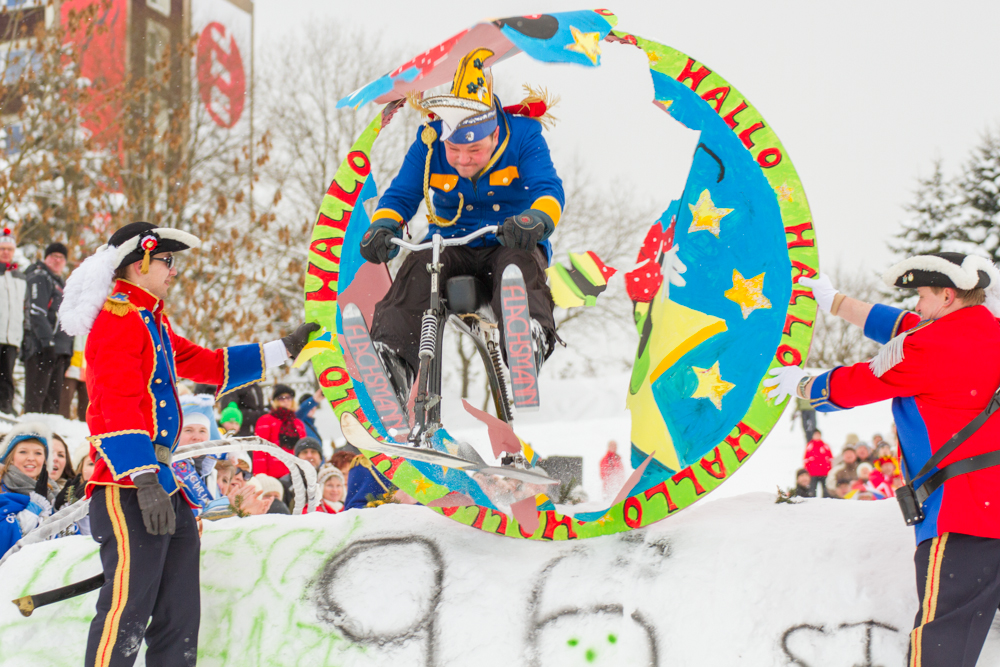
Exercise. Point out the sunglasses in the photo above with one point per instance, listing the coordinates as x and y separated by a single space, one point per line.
169 261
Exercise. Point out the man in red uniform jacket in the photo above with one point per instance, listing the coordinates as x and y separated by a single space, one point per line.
138 513
940 367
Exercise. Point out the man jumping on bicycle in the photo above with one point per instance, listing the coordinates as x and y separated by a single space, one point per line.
477 164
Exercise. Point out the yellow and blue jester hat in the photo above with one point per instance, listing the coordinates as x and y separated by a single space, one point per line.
467 112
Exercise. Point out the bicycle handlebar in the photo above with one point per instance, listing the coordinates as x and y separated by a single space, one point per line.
455 241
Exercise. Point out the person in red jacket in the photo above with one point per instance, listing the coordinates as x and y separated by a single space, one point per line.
139 514
281 427
941 368
817 462
612 470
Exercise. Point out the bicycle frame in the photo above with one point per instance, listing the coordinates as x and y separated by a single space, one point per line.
427 406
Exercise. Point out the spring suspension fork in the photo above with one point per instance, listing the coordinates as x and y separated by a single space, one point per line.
428 334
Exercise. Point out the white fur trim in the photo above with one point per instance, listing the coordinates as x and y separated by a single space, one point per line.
993 290
132 244
26 428
87 289
965 276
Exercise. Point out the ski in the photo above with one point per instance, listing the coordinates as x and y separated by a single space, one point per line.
517 339
520 474
359 436
373 374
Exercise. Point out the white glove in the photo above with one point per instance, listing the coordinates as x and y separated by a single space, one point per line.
674 266
785 381
823 290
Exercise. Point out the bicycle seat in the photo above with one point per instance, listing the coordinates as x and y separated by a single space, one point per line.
465 294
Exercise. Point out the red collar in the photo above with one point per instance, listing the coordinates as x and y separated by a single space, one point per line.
138 296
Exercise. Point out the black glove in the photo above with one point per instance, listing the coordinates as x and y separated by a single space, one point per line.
376 245
295 341
157 510
526 229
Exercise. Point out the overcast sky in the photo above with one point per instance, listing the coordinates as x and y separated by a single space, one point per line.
864 95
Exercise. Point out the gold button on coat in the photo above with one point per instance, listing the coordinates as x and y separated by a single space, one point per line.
469 207
163 404
496 207
163 433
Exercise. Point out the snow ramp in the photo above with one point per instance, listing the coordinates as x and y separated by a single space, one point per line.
738 581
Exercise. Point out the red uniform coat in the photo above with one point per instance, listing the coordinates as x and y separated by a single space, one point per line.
949 372
134 359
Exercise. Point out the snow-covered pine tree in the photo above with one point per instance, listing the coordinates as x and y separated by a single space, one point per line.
932 216
977 225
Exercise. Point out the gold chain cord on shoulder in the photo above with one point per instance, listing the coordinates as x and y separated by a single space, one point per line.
429 136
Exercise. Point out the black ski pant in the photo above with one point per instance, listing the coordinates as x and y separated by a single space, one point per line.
43 380
396 321
148 579
958 582
8 357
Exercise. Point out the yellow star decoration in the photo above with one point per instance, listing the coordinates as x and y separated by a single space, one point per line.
705 216
784 192
654 58
586 43
422 485
711 385
748 293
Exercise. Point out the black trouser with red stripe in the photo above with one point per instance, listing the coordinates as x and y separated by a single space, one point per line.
396 321
147 579
958 581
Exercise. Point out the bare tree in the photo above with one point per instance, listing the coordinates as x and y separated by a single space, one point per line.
835 342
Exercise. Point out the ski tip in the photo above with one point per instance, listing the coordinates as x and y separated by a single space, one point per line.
513 271
351 310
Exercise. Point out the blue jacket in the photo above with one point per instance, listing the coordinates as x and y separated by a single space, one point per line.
303 414
364 480
10 529
520 176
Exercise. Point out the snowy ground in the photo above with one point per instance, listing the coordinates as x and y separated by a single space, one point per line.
735 579
738 581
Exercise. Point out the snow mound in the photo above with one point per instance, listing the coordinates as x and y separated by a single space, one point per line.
738 581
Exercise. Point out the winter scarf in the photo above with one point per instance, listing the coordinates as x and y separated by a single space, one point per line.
17 482
288 430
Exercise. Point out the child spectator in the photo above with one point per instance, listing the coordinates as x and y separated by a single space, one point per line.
886 478
272 489
231 418
331 483
308 405
281 427
864 452
845 465
24 482
818 462
802 486
842 487
612 470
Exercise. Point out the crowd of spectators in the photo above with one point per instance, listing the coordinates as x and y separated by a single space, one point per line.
861 471
40 473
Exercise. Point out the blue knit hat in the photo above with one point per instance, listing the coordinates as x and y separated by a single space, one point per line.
20 433
202 404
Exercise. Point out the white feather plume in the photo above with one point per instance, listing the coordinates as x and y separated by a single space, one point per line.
87 289
993 290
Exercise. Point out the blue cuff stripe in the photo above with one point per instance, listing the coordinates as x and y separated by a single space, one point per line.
126 452
244 366
883 323
819 396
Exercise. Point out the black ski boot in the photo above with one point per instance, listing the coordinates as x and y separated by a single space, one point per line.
399 372
540 344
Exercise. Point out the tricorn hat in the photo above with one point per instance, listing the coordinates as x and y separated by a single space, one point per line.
943 269
87 288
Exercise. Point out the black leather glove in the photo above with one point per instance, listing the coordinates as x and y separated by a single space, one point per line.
295 341
376 245
526 229
157 510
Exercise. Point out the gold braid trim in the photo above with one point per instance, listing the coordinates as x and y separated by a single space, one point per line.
118 308
429 136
